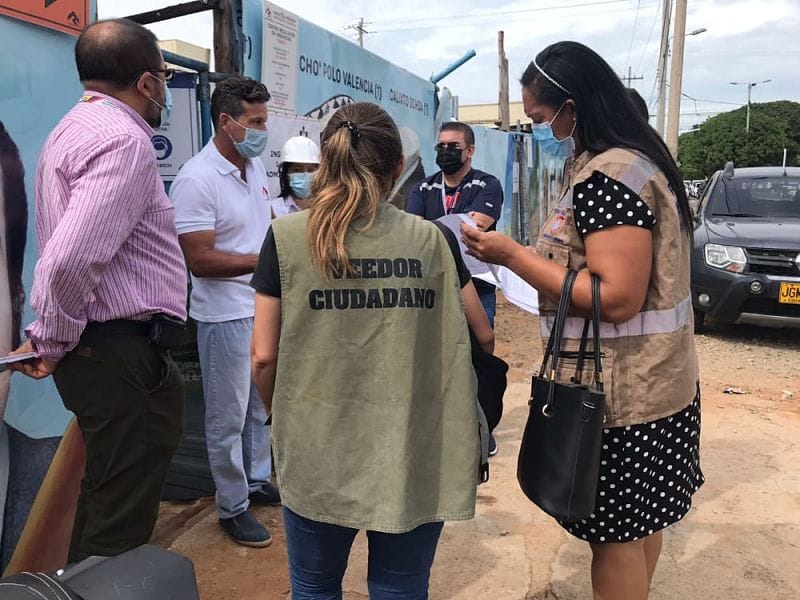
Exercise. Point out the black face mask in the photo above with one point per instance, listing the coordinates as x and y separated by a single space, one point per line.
449 160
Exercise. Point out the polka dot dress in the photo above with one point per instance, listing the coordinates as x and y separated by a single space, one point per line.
601 202
648 474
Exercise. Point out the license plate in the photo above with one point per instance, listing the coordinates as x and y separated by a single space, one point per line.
790 293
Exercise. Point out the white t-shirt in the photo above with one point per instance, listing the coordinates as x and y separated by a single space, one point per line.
209 194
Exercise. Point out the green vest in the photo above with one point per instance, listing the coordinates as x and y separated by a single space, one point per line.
374 418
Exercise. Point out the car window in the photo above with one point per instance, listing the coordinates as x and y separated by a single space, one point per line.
706 193
764 197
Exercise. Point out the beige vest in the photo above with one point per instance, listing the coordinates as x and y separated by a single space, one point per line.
375 420
650 362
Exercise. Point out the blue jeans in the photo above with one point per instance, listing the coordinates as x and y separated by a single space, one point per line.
236 433
399 563
489 301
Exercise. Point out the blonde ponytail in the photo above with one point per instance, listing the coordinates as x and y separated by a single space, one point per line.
361 149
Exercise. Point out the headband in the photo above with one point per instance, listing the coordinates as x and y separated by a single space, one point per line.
355 134
551 80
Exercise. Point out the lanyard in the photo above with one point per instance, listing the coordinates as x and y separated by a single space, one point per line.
449 202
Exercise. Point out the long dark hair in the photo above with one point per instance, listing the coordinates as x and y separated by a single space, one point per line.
283 179
606 115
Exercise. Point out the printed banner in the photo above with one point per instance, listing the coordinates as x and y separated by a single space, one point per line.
38 86
312 72
177 140
494 154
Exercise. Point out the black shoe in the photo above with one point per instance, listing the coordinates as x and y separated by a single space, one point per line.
245 529
268 495
492 445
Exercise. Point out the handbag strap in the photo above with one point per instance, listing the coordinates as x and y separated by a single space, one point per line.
581 353
557 333
598 364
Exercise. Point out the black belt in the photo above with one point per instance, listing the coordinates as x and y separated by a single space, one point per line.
119 327
163 331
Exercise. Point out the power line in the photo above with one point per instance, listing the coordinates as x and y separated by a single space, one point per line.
649 37
451 18
450 25
633 33
710 101
653 97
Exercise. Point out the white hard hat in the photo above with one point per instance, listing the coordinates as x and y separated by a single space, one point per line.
300 149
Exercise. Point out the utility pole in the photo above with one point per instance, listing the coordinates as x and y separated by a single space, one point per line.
750 85
662 66
630 78
503 87
360 28
224 60
676 77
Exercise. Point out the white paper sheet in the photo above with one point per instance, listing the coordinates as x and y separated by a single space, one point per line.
514 288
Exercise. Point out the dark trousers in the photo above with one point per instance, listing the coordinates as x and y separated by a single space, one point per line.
399 563
128 398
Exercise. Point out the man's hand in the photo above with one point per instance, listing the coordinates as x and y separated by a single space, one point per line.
482 220
35 368
490 247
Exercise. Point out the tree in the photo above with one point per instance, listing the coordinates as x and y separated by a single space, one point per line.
773 127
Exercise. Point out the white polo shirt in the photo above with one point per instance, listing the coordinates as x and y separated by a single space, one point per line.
209 194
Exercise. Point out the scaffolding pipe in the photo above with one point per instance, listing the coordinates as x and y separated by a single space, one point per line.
452 67
172 12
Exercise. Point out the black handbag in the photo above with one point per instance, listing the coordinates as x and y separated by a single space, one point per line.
559 459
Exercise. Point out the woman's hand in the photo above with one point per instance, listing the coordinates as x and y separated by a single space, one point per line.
490 246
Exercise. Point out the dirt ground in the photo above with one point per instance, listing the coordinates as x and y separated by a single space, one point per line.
741 539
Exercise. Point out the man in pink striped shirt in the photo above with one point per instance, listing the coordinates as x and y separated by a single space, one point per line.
110 286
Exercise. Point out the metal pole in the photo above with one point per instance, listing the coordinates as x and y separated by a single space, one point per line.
676 77
750 85
747 123
437 77
204 98
662 66
503 84
361 32
171 12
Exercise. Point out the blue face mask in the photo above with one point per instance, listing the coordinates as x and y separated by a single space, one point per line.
548 143
301 184
166 109
254 143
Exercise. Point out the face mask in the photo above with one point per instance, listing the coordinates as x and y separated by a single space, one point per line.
543 133
166 109
300 184
449 160
254 143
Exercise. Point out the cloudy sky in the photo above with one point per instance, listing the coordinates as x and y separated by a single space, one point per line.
745 41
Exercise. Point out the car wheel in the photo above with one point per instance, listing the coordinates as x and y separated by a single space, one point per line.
699 321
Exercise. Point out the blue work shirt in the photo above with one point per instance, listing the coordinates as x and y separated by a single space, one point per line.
478 191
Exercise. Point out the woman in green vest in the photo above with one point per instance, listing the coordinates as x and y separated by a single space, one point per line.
361 352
